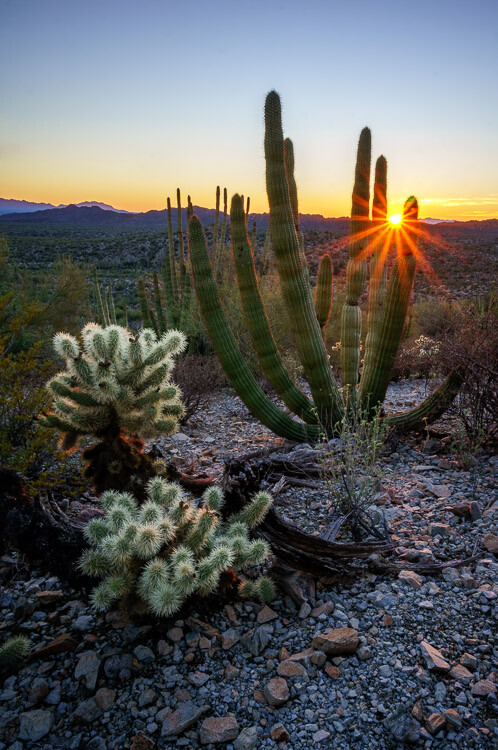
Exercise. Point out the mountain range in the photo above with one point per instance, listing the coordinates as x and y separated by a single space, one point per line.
94 214
10 205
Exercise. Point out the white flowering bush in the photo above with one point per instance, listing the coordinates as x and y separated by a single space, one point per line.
168 548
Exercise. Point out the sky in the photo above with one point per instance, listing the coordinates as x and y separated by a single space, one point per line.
124 101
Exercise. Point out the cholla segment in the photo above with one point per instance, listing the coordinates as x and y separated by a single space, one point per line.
115 382
169 548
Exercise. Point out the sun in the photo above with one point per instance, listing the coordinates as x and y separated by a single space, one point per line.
395 219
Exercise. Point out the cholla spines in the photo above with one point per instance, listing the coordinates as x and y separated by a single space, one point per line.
13 652
116 387
169 548
116 381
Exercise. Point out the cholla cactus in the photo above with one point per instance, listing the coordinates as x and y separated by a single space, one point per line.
13 652
117 387
169 548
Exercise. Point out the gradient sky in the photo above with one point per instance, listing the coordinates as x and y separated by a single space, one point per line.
123 101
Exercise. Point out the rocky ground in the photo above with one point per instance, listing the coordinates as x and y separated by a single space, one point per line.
384 661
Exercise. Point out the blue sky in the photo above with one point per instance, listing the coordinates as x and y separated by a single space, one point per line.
124 101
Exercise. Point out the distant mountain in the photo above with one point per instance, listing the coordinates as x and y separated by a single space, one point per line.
437 221
9 206
94 217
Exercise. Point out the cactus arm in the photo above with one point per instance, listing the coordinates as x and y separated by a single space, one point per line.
378 272
247 207
430 409
264 263
356 270
323 291
113 307
257 320
394 311
181 246
216 225
227 350
144 305
291 180
186 301
100 301
222 243
172 260
293 275
158 303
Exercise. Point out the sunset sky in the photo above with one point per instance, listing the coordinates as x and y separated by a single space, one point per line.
123 101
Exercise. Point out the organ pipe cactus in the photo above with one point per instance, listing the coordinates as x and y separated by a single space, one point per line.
387 301
155 556
116 387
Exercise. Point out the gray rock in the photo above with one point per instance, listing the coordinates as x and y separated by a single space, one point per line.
35 724
247 739
185 715
83 623
255 640
88 669
144 654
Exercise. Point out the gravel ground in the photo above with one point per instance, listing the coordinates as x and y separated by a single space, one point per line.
387 661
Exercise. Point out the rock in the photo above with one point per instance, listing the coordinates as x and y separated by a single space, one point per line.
461 673
39 691
483 688
144 654
35 724
439 490
86 712
218 729
247 739
440 529
255 640
141 742
475 511
411 578
88 668
333 672
45 598
198 679
469 661
299 586
104 698
400 723
435 723
289 668
321 735
434 660
64 642
461 510
337 642
276 691
453 718
305 611
324 609
266 614
83 623
119 665
490 543
175 634
279 733
229 638
185 715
